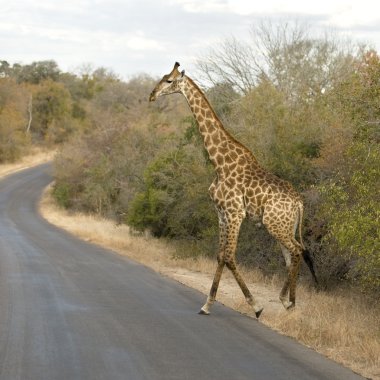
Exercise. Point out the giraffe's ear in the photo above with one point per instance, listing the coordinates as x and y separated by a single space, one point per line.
182 73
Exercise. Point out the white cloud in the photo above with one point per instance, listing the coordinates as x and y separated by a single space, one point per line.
138 41
285 7
107 40
338 13
354 14
67 6
199 6
247 7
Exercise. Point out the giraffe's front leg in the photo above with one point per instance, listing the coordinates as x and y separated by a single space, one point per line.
232 234
285 288
291 280
205 310
211 298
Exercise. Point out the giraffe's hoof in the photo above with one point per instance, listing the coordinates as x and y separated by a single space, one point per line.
291 306
258 312
204 312
287 305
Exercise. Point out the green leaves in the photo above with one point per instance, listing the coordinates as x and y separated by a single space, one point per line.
352 208
14 139
175 202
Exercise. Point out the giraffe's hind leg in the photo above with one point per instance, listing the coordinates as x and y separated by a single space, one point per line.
285 288
282 228
292 253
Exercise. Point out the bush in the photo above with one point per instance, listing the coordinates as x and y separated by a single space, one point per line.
14 139
351 204
175 202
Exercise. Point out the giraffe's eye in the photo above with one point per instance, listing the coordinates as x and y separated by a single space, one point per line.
169 81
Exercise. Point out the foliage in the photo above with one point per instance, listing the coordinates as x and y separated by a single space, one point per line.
42 105
266 124
351 200
101 169
97 172
14 141
52 111
174 202
37 72
33 73
352 204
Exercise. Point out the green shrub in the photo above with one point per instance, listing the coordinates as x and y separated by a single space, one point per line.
351 204
61 193
175 201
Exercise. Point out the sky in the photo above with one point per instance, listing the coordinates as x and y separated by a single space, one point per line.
131 37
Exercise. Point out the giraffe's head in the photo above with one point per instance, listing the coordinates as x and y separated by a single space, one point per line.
169 84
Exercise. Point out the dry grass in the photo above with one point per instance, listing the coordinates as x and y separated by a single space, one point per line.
36 156
341 327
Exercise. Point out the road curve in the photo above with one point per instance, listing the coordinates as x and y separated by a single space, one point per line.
72 310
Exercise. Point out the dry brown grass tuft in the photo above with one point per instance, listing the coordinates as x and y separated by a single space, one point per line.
343 328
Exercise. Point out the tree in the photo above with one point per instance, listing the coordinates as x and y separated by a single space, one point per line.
174 202
51 111
37 72
285 77
298 65
233 63
5 69
14 141
350 199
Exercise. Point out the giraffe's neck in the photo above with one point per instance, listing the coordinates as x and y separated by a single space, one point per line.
220 145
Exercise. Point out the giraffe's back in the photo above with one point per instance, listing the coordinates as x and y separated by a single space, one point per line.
251 189
263 189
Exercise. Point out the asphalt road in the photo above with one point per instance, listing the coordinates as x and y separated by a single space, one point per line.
72 310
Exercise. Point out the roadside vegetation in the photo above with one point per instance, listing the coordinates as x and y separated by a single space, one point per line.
307 107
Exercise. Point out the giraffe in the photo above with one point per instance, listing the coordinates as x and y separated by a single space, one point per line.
242 188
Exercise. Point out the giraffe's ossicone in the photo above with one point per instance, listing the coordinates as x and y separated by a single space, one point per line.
242 188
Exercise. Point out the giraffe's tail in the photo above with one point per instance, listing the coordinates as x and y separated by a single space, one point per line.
305 252
300 219
309 261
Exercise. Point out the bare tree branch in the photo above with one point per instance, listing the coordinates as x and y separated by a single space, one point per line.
30 107
299 65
